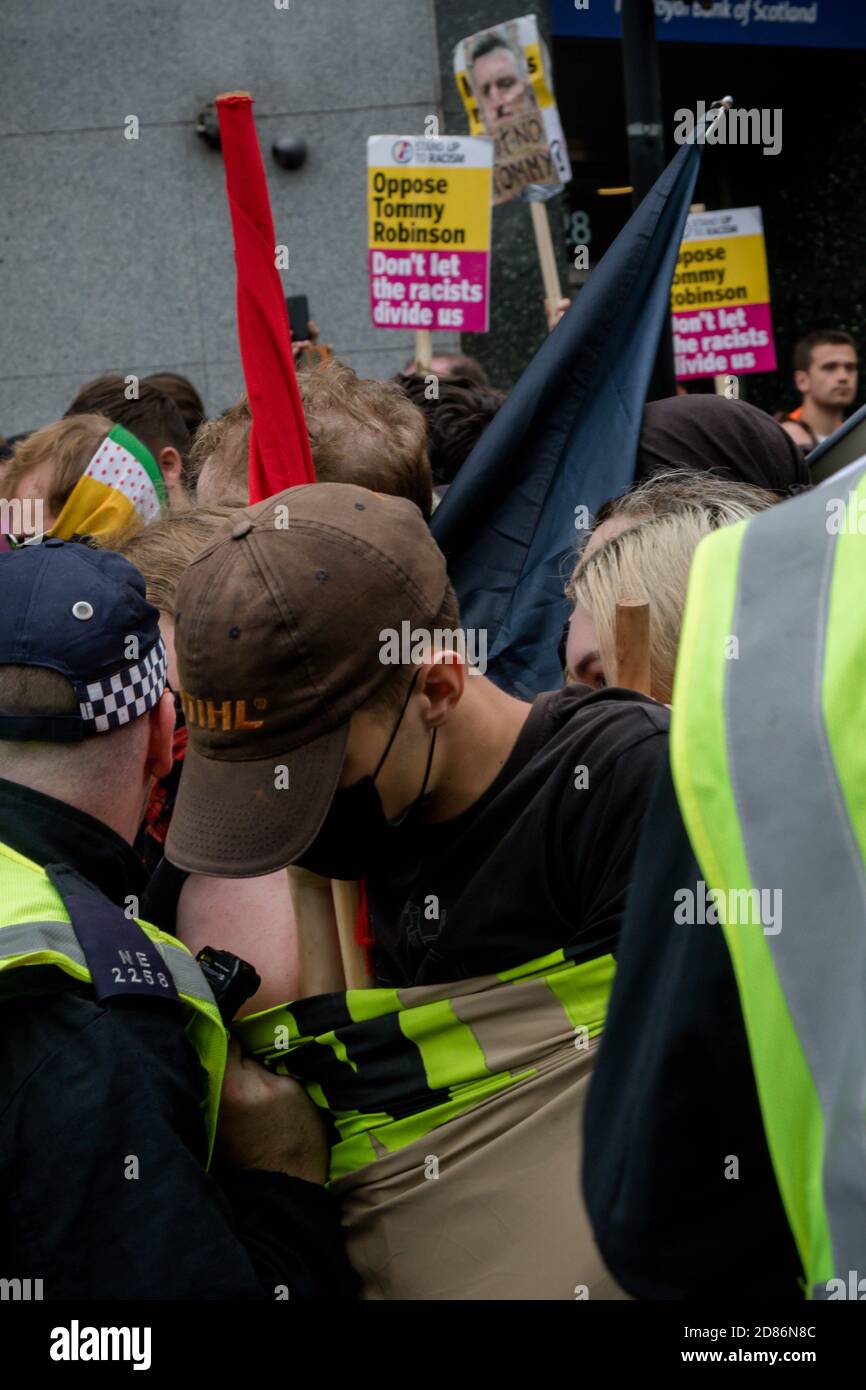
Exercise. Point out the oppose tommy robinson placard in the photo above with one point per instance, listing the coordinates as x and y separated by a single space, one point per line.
720 297
429 231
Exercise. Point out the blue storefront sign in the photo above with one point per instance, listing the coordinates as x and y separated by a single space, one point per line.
798 23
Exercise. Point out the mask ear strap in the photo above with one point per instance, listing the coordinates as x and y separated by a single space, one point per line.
420 797
381 762
429 765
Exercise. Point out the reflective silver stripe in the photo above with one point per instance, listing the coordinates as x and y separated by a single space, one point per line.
796 830
187 973
24 938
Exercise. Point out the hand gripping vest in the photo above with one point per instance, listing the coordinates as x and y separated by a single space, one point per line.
456 1116
52 917
768 750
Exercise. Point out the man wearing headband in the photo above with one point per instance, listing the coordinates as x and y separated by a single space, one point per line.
112 1040
82 476
151 414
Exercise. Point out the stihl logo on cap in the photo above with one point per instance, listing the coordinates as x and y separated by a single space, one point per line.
227 715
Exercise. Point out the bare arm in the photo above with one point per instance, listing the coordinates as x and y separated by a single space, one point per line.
254 918
282 923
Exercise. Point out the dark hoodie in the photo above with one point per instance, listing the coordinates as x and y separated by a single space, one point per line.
731 439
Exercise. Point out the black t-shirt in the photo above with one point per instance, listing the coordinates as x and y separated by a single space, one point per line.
542 860
673 1102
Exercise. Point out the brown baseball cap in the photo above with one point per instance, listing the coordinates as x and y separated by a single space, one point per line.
278 635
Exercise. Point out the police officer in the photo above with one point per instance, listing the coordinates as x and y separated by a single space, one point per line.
113 1050
725 1142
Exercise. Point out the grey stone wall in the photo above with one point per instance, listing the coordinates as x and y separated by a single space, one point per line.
115 254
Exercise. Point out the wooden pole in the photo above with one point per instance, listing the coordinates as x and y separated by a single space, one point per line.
546 257
633 645
326 910
321 963
347 900
423 349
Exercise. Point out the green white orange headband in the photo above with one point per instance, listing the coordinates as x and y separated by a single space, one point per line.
121 481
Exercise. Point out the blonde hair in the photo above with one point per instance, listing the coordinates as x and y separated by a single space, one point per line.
650 562
367 432
68 444
219 457
165 549
676 490
361 431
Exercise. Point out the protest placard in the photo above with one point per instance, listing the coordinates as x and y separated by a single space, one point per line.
503 75
429 224
720 296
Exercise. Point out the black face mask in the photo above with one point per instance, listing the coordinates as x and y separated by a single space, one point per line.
355 833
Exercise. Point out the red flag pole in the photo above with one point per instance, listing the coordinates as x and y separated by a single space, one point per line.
280 455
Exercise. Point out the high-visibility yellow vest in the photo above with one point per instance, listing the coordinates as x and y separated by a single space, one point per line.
769 761
36 929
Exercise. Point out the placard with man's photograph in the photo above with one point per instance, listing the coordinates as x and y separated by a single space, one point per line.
503 77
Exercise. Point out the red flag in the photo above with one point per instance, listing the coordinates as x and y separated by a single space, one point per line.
280 454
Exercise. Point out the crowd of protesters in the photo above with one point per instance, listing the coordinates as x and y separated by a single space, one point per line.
423 780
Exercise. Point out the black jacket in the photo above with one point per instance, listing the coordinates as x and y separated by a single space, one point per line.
103 1190
673 1102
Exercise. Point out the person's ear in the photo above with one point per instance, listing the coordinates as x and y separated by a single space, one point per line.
801 381
159 748
170 466
443 683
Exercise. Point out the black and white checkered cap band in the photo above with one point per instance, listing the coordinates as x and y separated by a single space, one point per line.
125 696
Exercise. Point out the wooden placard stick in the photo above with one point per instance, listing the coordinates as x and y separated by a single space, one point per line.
546 256
321 962
325 912
423 349
633 645
347 900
